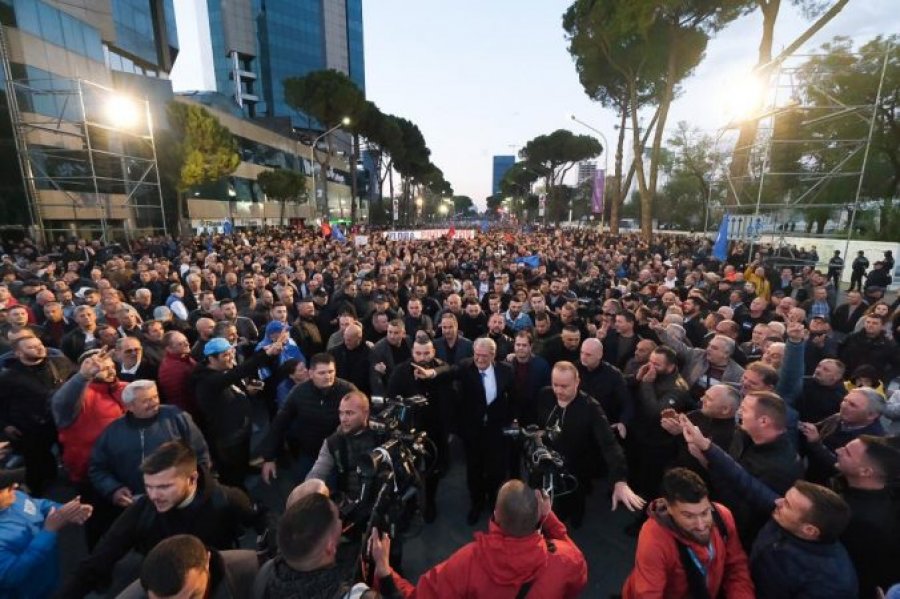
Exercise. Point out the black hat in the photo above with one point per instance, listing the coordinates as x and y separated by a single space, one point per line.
380 297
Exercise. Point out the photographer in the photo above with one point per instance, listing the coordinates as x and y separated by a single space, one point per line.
308 537
526 552
340 453
577 427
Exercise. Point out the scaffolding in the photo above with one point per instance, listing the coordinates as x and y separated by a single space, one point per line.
87 157
805 167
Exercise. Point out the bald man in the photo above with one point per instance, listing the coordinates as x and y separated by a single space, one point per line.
513 558
604 382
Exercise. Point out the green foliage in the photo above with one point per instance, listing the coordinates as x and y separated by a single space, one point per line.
851 77
328 96
554 154
203 148
283 184
463 204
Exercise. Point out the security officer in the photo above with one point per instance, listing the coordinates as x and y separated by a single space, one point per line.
424 375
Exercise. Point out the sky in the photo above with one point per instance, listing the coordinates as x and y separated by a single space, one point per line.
483 77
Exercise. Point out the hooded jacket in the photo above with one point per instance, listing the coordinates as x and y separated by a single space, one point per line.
658 569
496 565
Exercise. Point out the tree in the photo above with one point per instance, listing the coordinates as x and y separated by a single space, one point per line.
463 205
607 85
328 96
765 65
202 150
283 185
845 76
654 45
554 155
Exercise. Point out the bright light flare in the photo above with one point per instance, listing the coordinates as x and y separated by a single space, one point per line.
443 209
742 97
123 112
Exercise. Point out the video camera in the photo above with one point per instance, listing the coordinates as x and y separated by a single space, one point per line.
391 474
544 468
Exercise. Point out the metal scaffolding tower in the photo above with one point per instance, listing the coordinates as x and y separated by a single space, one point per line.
87 156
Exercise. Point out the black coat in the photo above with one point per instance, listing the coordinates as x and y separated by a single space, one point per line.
354 365
223 400
474 414
584 430
316 415
216 516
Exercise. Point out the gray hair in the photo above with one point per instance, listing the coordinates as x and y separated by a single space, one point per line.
133 387
728 341
142 292
875 401
162 313
485 343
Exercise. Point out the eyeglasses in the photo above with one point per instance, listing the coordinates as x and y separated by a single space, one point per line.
132 350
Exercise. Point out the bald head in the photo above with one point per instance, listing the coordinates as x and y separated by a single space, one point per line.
517 509
307 487
591 353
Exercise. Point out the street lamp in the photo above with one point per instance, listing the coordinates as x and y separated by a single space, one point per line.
605 153
344 122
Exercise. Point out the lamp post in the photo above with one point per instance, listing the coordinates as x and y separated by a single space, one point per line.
344 122
605 153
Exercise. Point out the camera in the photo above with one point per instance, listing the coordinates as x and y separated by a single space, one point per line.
544 468
391 474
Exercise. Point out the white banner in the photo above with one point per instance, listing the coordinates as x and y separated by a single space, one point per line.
426 234
396 203
361 240
542 204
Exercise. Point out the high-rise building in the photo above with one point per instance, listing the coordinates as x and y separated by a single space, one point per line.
76 69
245 49
586 171
501 165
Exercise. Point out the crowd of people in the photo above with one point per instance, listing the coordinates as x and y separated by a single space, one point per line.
744 409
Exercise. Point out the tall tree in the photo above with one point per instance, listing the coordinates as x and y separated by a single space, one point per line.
654 45
606 84
554 155
328 96
283 185
202 150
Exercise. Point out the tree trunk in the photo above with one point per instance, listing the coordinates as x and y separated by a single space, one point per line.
354 191
646 196
617 193
390 175
740 157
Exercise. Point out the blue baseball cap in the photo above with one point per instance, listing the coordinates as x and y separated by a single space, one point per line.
215 346
276 326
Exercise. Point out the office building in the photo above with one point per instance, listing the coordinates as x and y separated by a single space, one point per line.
245 49
87 78
501 165
586 171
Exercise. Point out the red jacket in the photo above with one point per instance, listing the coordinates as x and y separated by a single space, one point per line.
101 404
658 572
175 385
496 565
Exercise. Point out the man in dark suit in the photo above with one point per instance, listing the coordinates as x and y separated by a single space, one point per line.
485 409
451 347
531 373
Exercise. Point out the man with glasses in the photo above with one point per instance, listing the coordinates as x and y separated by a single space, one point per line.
131 364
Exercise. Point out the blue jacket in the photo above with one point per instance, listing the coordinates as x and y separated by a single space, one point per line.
29 568
123 445
782 565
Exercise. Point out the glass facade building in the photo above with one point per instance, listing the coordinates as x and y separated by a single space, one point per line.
257 44
501 165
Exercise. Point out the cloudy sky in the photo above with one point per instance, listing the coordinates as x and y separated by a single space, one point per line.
483 77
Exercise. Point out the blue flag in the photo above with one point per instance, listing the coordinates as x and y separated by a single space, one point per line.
337 234
228 227
529 261
720 249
